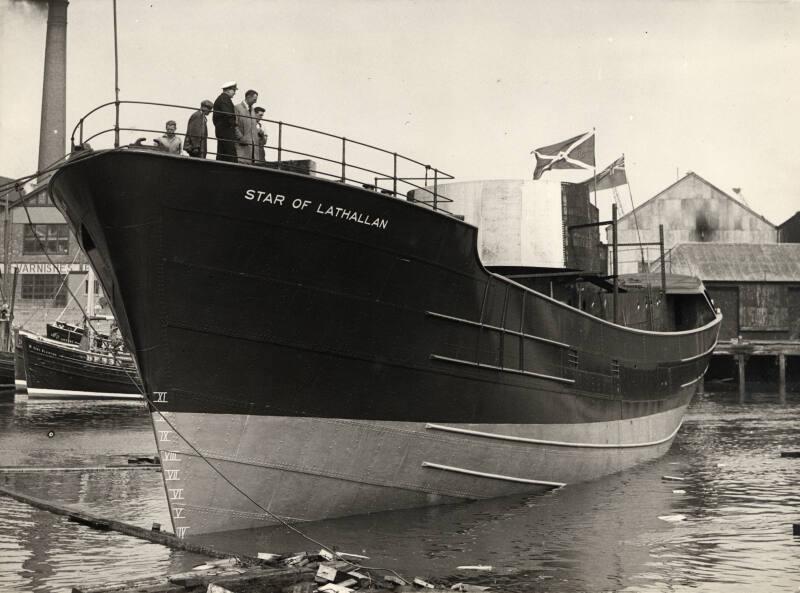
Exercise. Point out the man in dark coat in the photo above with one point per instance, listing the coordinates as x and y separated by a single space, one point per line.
196 141
225 123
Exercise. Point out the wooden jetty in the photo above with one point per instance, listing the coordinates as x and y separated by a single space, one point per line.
742 350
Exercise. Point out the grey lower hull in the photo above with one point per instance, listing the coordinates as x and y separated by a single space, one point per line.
307 469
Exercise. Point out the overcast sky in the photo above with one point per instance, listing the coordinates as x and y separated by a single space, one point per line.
468 86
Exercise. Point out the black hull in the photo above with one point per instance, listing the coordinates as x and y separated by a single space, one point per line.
20 382
253 292
7 365
56 370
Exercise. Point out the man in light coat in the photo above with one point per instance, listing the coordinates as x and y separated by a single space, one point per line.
246 128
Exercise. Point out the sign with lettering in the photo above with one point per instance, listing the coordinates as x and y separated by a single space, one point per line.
45 268
316 208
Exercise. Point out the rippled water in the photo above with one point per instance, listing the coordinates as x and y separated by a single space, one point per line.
730 530
43 552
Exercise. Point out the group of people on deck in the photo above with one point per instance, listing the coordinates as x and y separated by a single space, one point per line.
240 137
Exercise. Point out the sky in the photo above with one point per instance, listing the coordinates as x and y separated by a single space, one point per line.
471 87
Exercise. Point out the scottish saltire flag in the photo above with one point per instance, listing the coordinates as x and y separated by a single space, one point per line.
575 153
611 176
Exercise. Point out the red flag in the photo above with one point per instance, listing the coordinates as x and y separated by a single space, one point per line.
575 153
611 176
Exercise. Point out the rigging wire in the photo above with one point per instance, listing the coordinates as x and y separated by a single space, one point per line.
64 282
277 518
149 402
645 263
16 184
60 286
85 280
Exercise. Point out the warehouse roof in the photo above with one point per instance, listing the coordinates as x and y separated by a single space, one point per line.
737 262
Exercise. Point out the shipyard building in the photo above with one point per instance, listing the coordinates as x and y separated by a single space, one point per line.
50 266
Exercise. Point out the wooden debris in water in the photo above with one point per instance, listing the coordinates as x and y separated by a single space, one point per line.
673 478
466 588
325 574
673 518
363 580
334 588
394 581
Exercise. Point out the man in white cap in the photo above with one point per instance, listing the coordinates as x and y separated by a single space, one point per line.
225 123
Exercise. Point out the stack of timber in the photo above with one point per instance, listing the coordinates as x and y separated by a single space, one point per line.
298 573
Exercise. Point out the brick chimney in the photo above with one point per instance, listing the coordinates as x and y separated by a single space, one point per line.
52 133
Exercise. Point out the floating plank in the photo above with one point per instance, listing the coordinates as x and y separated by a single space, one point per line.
158 537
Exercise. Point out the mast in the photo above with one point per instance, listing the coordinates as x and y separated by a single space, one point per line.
90 294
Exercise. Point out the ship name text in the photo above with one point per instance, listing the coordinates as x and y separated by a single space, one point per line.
318 208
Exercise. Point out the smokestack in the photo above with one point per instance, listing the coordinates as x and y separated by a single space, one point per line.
52 133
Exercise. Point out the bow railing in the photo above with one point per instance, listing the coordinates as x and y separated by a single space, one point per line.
334 157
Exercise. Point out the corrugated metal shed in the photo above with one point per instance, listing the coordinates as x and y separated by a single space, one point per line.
675 283
737 262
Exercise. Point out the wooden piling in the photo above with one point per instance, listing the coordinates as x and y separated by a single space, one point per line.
741 361
741 351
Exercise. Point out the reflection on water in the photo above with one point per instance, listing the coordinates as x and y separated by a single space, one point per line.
40 551
740 501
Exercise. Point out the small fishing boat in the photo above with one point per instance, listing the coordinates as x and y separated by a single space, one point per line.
56 370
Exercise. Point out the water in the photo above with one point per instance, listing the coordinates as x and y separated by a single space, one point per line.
43 552
731 529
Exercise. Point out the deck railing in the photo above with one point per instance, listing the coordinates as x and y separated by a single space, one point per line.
373 168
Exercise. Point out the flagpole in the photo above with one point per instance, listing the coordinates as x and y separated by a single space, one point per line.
116 83
645 263
636 221
594 176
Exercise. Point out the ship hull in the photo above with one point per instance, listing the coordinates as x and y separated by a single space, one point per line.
7 365
263 304
20 383
56 371
307 469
